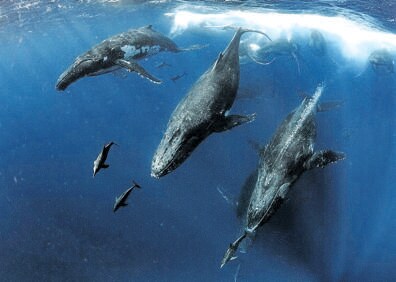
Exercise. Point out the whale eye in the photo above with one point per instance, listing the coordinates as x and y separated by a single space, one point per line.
173 135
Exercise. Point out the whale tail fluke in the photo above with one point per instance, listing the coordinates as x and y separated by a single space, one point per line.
240 29
230 254
244 30
257 61
135 185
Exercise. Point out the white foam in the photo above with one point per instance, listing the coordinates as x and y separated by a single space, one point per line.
355 38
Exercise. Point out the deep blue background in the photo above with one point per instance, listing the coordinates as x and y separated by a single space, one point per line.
57 221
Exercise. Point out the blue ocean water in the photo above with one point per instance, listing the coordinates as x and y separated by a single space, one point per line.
57 223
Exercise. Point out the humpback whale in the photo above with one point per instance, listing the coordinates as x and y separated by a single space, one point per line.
99 163
119 51
382 61
202 111
284 159
317 43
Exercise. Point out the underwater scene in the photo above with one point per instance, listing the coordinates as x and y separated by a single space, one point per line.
197 140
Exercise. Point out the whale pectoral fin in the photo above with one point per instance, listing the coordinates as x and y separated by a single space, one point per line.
231 121
135 67
298 64
105 166
323 158
327 106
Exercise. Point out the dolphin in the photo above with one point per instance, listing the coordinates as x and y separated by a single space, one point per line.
99 163
202 111
119 51
283 160
121 200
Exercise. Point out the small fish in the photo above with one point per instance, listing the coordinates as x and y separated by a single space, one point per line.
162 64
121 200
99 163
177 77
230 253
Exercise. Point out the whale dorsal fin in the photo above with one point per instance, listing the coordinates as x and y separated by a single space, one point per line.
218 60
150 26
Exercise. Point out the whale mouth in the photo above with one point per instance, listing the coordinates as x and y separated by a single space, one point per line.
156 175
164 170
64 80
173 157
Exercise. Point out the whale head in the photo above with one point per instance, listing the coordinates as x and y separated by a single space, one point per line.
82 66
175 147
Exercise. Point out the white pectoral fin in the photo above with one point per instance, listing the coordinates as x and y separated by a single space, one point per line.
231 121
135 67
226 197
234 257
